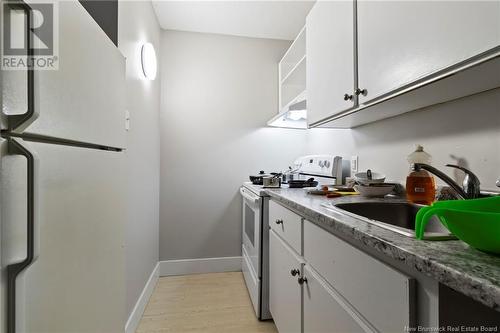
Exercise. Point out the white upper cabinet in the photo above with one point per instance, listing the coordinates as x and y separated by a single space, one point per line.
330 59
400 42
392 57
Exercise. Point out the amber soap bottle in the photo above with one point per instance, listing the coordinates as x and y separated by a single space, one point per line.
420 185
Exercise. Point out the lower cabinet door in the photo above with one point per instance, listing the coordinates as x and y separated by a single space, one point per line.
284 289
370 286
326 311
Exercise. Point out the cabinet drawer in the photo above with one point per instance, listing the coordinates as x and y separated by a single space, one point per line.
372 287
284 290
287 225
325 310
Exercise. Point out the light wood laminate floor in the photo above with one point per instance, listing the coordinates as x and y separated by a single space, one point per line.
211 303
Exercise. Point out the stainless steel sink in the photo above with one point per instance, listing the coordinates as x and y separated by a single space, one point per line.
395 216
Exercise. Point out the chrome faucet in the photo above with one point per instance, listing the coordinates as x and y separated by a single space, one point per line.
470 188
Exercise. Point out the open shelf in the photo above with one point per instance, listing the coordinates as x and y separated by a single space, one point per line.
294 55
293 84
296 71
292 111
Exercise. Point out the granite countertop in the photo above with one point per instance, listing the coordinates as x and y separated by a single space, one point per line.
452 262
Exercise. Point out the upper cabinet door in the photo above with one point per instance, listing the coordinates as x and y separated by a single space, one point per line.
402 41
330 59
84 99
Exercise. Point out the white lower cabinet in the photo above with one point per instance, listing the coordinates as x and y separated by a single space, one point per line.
325 310
287 225
370 286
285 293
318 283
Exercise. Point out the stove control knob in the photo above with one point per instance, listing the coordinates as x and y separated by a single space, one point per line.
320 164
327 164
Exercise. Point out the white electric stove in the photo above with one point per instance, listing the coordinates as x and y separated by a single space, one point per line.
327 170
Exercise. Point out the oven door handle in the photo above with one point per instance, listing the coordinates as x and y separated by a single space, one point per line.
248 196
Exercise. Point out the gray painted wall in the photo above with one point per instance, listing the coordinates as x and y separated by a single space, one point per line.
138 24
217 94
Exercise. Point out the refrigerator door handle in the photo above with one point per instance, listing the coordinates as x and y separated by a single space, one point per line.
19 122
32 246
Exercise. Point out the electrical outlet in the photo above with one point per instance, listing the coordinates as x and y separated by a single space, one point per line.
354 164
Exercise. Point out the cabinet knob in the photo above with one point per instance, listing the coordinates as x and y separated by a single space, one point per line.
295 272
302 280
279 221
348 97
360 92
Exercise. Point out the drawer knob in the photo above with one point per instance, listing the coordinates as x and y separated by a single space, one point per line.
302 280
360 92
348 97
295 272
279 221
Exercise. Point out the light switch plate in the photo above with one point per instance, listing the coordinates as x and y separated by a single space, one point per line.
354 164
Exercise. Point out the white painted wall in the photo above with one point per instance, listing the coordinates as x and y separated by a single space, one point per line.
138 24
468 128
217 94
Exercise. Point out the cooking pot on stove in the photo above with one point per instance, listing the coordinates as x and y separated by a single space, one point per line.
273 181
290 174
258 179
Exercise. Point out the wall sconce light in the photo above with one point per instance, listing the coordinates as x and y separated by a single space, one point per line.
148 61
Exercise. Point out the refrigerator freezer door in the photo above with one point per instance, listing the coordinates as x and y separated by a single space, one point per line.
77 284
84 99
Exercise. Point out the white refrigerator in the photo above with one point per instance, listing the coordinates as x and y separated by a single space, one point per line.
63 195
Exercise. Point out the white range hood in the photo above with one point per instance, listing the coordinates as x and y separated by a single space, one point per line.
292 116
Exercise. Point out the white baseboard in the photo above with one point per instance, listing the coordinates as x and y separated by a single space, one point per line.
140 306
203 265
178 267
